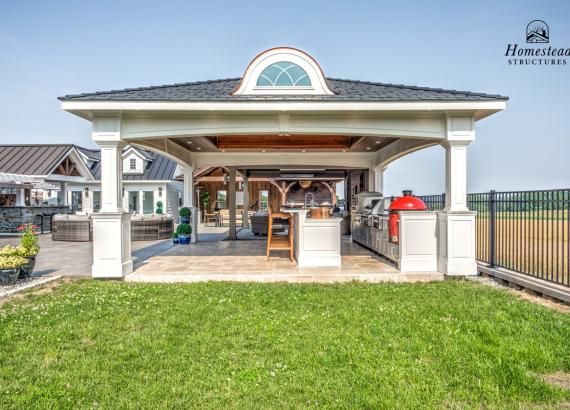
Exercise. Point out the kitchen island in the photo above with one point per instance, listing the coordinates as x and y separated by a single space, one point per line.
316 241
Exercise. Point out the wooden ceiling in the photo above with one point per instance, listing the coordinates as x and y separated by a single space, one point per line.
283 142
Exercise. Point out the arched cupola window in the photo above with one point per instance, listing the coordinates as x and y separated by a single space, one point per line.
283 74
283 70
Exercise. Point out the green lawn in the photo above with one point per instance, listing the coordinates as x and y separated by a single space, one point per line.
451 344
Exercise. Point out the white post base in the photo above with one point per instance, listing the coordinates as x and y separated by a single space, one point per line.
111 245
456 243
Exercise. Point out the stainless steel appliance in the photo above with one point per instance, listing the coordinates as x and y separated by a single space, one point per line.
368 219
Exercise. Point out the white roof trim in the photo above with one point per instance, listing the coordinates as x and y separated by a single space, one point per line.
248 84
86 109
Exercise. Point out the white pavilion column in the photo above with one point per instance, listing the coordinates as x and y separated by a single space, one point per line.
188 201
232 203
456 224
379 179
111 226
20 197
245 219
63 193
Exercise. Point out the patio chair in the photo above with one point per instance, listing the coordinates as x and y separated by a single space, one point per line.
275 242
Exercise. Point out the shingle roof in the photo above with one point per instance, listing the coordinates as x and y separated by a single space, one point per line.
346 90
41 159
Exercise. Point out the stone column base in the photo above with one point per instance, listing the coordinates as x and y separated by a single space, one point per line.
456 243
111 245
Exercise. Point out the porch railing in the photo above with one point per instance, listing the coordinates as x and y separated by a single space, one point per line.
525 231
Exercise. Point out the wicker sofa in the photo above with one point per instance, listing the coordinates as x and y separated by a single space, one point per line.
79 228
260 224
151 228
71 228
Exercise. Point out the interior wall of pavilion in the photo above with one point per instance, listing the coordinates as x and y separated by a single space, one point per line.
295 194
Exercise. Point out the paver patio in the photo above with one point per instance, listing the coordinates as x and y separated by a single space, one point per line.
245 261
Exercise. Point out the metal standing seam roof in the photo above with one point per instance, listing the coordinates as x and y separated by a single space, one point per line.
31 159
41 159
345 90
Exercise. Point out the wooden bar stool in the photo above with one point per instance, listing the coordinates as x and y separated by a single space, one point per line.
275 242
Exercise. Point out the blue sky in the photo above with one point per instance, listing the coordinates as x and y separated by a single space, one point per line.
48 49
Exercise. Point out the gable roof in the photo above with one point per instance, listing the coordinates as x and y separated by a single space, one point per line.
32 159
345 90
41 159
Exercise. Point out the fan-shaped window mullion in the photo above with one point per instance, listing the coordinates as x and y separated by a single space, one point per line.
283 74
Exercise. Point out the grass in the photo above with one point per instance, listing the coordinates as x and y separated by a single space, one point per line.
451 344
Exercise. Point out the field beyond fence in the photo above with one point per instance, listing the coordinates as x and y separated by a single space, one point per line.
526 231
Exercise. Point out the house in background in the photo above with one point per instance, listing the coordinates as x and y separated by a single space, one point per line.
69 175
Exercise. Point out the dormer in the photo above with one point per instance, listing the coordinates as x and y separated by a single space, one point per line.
134 161
283 70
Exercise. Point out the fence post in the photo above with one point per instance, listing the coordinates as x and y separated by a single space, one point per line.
443 201
492 226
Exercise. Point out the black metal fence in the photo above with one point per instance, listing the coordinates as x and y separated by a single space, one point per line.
525 231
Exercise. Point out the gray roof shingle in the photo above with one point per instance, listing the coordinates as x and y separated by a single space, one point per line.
346 90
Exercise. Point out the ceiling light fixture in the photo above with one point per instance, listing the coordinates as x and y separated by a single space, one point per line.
368 148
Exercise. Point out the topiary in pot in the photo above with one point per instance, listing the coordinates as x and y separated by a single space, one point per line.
185 214
184 232
174 237
159 210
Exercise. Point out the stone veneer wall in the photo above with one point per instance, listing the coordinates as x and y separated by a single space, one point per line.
13 216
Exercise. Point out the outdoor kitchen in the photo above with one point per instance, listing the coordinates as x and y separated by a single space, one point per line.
402 230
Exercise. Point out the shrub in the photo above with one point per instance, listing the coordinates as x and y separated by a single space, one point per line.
11 262
28 241
159 206
185 212
9 250
184 229
22 251
174 235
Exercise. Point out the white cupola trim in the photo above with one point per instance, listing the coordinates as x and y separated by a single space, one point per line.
283 70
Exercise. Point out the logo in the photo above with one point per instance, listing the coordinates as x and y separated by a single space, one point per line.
537 32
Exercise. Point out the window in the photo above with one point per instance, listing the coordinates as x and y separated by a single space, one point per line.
96 201
221 198
148 202
134 201
77 201
283 74
263 200
133 164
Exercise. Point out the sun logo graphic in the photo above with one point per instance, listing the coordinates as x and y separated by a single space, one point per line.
537 32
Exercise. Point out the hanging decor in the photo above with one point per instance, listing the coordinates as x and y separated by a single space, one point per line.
305 184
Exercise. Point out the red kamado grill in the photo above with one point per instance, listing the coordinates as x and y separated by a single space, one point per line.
406 202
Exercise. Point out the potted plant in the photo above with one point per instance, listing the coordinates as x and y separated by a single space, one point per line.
174 237
185 215
159 210
184 232
28 249
205 199
10 268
